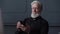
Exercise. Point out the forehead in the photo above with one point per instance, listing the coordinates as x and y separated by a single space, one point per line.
35 5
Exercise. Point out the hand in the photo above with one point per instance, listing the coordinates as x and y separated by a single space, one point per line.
22 27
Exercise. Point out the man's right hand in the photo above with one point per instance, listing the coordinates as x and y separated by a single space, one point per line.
21 26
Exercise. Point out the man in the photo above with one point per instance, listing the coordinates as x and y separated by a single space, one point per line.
35 24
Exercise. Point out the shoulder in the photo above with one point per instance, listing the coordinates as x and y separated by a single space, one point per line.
44 20
27 19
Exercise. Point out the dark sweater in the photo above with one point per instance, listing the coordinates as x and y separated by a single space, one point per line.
37 25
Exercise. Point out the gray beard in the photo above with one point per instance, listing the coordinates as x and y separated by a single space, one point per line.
34 15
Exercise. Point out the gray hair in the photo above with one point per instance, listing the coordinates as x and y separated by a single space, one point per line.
35 2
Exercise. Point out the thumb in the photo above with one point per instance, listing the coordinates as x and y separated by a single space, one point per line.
18 23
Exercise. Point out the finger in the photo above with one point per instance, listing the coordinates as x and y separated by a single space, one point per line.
18 24
23 28
21 25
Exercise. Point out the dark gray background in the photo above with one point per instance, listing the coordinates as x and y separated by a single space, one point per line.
14 10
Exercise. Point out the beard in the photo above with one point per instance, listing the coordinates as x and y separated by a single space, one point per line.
33 15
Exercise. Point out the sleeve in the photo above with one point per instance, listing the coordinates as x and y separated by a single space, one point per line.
17 32
44 28
20 32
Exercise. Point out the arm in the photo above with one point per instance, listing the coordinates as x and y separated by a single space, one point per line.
19 31
19 28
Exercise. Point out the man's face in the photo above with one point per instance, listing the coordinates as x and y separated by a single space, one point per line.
35 9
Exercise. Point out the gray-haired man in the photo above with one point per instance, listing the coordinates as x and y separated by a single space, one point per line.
35 24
